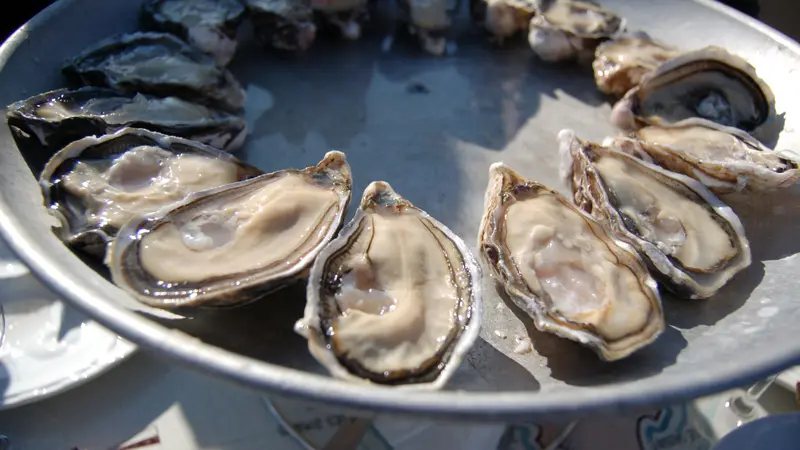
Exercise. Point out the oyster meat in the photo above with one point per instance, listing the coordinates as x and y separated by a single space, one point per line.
395 299
429 21
94 185
233 244
570 29
503 18
692 241
47 122
345 15
620 64
283 24
560 266
709 83
210 25
159 64
724 159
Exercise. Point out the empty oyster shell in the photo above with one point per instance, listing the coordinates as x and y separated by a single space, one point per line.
502 18
692 241
159 64
709 83
210 25
570 29
283 24
395 299
561 267
45 123
620 64
724 159
232 245
94 185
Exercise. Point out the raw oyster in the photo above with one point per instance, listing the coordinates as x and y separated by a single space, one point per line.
709 83
233 244
724 159
47 122
94 185
210 25
283 24
429 20
345 15
159 64
561 267
620 64
395 299
692 241
570 29
502 18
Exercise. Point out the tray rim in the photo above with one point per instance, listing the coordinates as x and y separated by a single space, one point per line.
457 405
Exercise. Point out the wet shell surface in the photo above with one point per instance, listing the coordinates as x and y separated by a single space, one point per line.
231 245
560 266
49 121
563 30
210 25
159 64
395 299
94 185
693 242
621 63
709 83
724 159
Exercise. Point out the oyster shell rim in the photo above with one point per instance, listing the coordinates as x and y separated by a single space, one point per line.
309 326
540 316
202 295
657 259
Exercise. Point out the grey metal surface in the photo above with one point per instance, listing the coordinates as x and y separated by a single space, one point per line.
482 105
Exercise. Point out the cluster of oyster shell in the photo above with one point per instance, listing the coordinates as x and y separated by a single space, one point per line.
136 178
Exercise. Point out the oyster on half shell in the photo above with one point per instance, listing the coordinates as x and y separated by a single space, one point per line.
429 21
620 64
395 299
94 185
234 244
559 265
210 25
344 15
692 241
708 83
159 64
503 19
725 159
47 122
570 29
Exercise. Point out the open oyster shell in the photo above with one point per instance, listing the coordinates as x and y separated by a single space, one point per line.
94 185
47 122
283 24
159 64
559 265
724 159
692 241
503 19
395 299
231 245
709 83
570 29
620 64
210 25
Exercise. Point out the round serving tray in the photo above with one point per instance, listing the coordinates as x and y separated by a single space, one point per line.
431 127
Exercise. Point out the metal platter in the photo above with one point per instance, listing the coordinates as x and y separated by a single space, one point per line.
434 145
